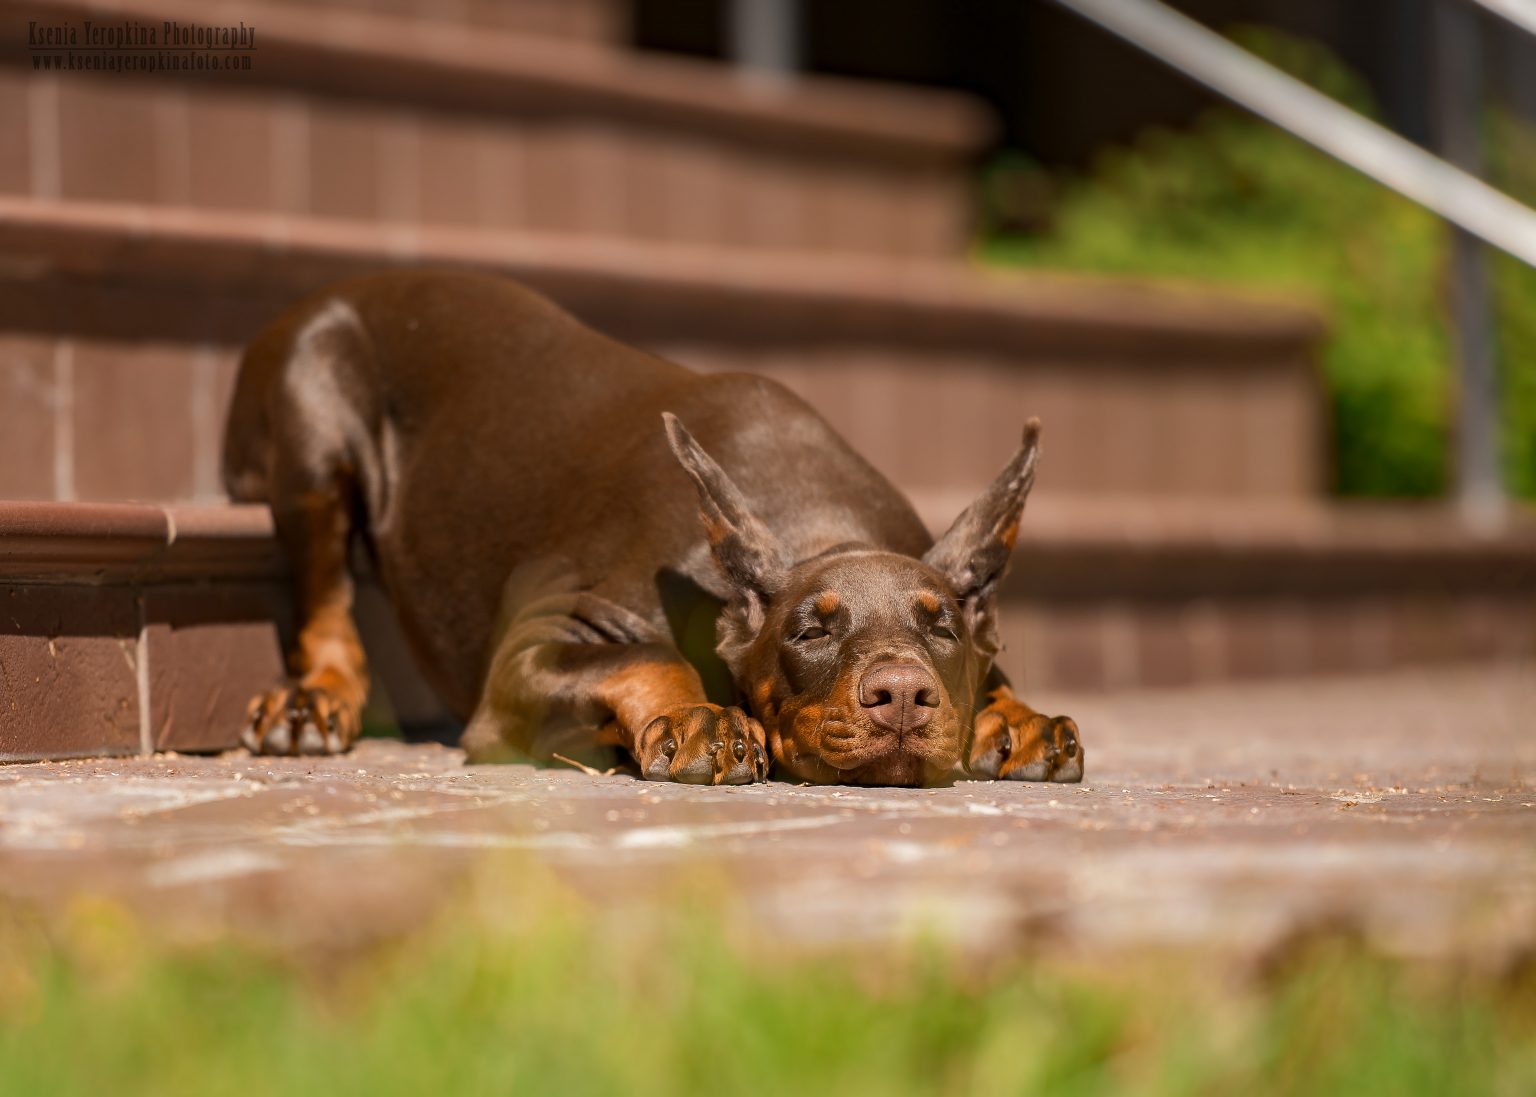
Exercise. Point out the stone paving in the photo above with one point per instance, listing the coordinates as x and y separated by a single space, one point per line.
1222 818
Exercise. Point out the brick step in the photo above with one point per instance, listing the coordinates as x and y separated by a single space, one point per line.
1128 593
369 116
585 20
129 629
120 326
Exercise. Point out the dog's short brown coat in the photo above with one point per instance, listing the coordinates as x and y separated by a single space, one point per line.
741 593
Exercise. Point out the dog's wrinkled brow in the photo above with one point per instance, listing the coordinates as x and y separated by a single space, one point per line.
847 548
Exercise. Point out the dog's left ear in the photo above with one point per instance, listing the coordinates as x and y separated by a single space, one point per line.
747 553
973 555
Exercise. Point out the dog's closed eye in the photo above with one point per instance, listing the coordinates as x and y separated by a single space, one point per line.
931 611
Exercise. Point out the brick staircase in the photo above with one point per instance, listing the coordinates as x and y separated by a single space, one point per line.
814 233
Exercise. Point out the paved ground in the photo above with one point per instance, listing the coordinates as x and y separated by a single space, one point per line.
1216 817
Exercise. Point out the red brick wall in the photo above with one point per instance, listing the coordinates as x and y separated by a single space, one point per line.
97 419
587 20
941 423
133 139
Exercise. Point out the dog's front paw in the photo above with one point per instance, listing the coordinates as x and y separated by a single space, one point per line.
297 719
1012 742
703 744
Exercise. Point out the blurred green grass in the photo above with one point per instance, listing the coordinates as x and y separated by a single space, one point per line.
524 990
1233 200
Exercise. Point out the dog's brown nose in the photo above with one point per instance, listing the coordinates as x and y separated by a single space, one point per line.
900 697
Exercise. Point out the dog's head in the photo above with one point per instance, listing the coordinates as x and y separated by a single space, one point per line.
863 665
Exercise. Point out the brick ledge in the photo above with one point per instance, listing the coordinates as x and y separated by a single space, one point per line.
1072 538
429 63
744 296
130 628
134 543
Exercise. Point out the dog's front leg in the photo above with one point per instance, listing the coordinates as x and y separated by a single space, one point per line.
1011 741
557 685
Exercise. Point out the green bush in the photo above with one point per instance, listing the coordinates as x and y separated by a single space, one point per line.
1512 158
1233 199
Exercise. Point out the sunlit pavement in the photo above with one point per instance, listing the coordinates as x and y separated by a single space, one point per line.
1223 818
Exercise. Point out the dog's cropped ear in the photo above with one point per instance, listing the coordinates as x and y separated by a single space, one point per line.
973 555
748 554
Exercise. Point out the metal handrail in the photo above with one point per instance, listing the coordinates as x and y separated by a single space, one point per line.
1477 210
764 38
1519 13
1204 56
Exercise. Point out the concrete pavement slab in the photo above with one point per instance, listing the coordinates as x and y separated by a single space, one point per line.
1222 818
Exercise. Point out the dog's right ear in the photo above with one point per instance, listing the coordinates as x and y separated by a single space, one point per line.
748 555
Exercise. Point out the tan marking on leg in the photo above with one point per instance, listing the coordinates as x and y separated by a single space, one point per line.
638 694
329 670
329 655
1005 699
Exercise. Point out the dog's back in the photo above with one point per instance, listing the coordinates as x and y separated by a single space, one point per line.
480 429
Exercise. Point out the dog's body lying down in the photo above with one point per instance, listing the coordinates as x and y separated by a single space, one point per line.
539 534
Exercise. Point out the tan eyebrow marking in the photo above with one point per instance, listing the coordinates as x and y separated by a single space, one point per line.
827 602
929 601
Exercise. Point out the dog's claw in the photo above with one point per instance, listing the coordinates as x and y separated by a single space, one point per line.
688 744
311 741
278 739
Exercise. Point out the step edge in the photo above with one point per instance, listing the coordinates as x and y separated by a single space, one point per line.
856 296
1066 521
135 543
344 50
145 543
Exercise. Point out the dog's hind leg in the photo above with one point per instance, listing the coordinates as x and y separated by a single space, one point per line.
316 475
319 711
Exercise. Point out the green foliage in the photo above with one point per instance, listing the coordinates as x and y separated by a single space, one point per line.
1512 156
560 1002
1234 200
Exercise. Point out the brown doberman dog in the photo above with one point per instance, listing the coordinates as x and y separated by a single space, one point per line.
532 502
